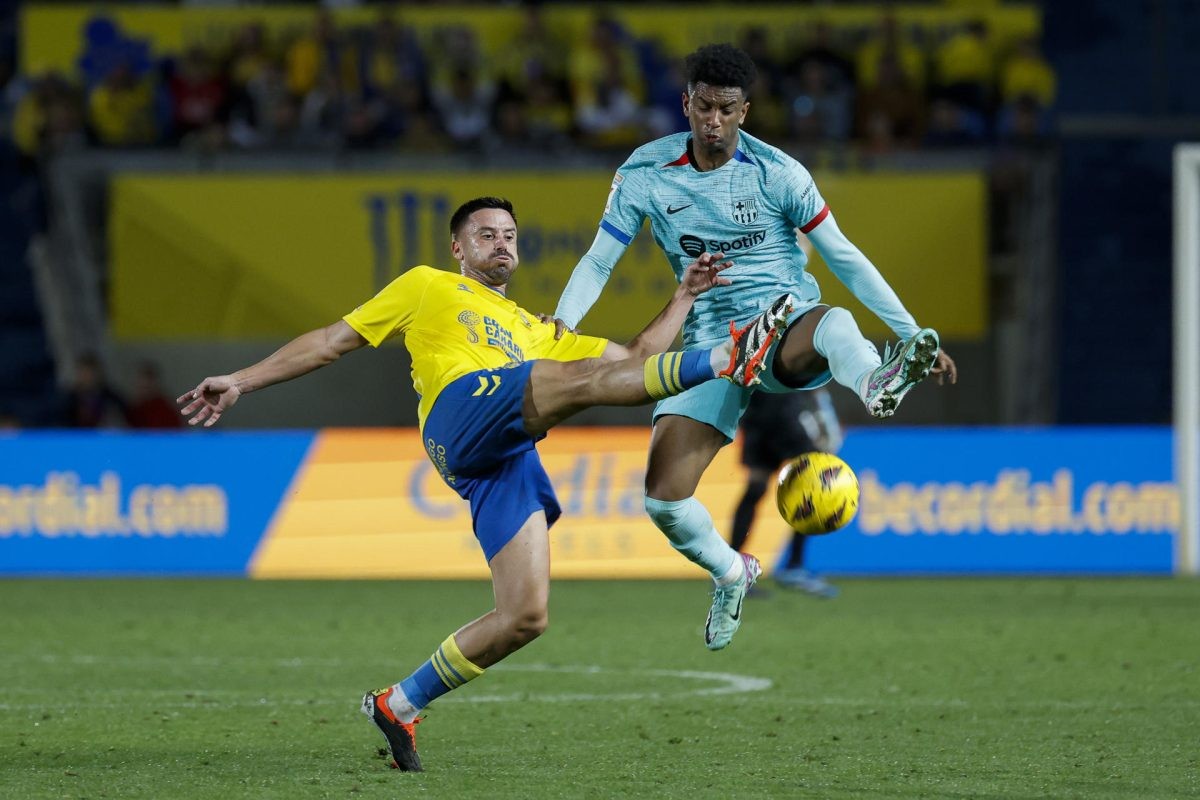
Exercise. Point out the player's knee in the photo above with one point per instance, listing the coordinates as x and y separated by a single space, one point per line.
818 313
576 378
833 314
682 521
528 625
667 515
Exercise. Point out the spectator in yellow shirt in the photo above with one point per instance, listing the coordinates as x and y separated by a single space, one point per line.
121 109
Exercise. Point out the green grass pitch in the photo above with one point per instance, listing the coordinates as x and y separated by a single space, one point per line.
949 688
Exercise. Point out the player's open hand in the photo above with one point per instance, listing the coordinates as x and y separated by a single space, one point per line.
209 400
945 368
560 327
704 273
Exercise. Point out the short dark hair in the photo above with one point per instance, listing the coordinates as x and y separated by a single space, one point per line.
471 206
721 65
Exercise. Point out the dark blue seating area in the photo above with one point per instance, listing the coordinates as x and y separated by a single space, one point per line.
1115 220
27 384
1115 282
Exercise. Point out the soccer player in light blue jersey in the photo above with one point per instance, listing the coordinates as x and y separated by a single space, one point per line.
712 188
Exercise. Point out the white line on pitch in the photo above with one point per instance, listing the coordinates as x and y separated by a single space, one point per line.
725 683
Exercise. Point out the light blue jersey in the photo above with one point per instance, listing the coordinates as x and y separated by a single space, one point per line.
748 209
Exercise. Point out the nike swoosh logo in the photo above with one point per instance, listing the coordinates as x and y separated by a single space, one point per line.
671 210
737 615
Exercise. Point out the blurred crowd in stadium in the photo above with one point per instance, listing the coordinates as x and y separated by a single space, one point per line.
384 85
91 401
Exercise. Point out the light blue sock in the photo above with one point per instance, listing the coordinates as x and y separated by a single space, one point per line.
689 528
850 355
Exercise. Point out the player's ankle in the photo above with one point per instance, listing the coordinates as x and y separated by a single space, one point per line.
736 571
399 704
719 356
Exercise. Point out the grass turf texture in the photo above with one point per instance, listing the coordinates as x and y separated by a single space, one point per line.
899 688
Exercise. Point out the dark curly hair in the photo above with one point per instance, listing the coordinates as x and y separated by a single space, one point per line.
721 65
471 206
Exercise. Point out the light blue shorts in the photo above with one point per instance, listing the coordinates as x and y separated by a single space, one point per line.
721 404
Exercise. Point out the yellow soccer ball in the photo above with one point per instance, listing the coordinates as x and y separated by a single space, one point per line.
817 493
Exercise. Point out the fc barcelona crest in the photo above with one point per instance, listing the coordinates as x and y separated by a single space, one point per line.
745 211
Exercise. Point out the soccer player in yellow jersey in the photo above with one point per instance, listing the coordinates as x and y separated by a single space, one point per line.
493 379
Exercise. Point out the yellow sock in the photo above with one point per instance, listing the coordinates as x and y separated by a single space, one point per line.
661 373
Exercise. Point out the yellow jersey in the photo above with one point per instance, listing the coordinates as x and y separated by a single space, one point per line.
454 325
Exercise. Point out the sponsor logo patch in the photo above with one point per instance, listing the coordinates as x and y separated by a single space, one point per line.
694 245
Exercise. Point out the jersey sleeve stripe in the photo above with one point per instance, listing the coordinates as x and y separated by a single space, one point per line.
815 221
615 232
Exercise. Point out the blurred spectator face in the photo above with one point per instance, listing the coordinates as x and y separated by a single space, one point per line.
542 91
386 32
63 119
407 96
87 374
944 117
463 85
323 29
510 121
762 87
1026 120
250 38
360 124
533 25
823 34
755 45
889 28
285 116
147 384
121 76
605 35
812 78
47 87
196 66
715 114
459 47
890 73
879 134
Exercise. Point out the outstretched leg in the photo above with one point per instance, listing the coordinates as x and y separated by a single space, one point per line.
559 389
829 338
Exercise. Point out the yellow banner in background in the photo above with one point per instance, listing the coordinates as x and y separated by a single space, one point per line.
270 256
368 504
